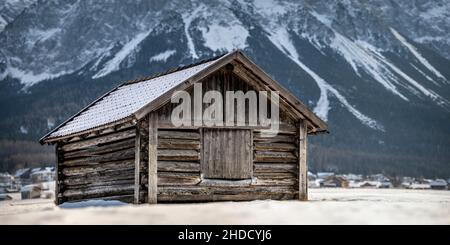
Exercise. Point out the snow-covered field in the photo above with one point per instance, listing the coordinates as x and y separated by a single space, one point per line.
326 206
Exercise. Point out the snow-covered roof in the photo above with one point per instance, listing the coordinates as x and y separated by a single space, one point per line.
125 100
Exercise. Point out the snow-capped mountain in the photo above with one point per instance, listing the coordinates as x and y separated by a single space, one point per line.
377 71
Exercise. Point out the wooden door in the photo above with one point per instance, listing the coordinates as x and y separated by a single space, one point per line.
227 153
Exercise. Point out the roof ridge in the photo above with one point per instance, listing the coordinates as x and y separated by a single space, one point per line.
171 70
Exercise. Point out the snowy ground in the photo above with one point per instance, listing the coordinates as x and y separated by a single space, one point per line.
327 206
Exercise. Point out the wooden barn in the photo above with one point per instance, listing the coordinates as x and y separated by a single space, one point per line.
125 146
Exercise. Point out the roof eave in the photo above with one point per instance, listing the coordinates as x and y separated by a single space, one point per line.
51 140
44 138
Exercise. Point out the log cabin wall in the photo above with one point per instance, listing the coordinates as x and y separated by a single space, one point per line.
179 151
178 163
100 166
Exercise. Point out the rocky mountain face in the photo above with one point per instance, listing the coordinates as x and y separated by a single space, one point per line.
377 71
10 9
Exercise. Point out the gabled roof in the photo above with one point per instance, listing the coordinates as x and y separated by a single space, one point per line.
134 99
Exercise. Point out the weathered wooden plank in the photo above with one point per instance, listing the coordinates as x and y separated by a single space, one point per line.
250 196
225 193
99 150
104 175
283 128
270 146
94 160
99 184
275 182
100 191
303 166
137 165
178 134
102 139
179 144
178 166
271 156
279 175
178 179
152 158
222 182
224 190
227 153
127 198
258 137
143 157
275 168
104 167
178 155
98 177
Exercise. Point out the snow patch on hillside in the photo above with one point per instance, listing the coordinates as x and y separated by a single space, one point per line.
35 35
361 57
127 49
280 38
436 12
272 7
322 18
187 19
225 38
23 130
423 74
416 54
163 56
29 78
3 23
430 93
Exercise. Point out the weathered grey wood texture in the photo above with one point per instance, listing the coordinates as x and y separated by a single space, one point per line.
101 166
152 157
227 153
303 166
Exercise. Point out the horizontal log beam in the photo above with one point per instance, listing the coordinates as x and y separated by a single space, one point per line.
99 168
275 167
275 182
270 146
270 156
178 155
99 184
100 191
98 177
178 134
231 197
179 144
93 160
178 179
102 139
257 137
98 150
178 166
